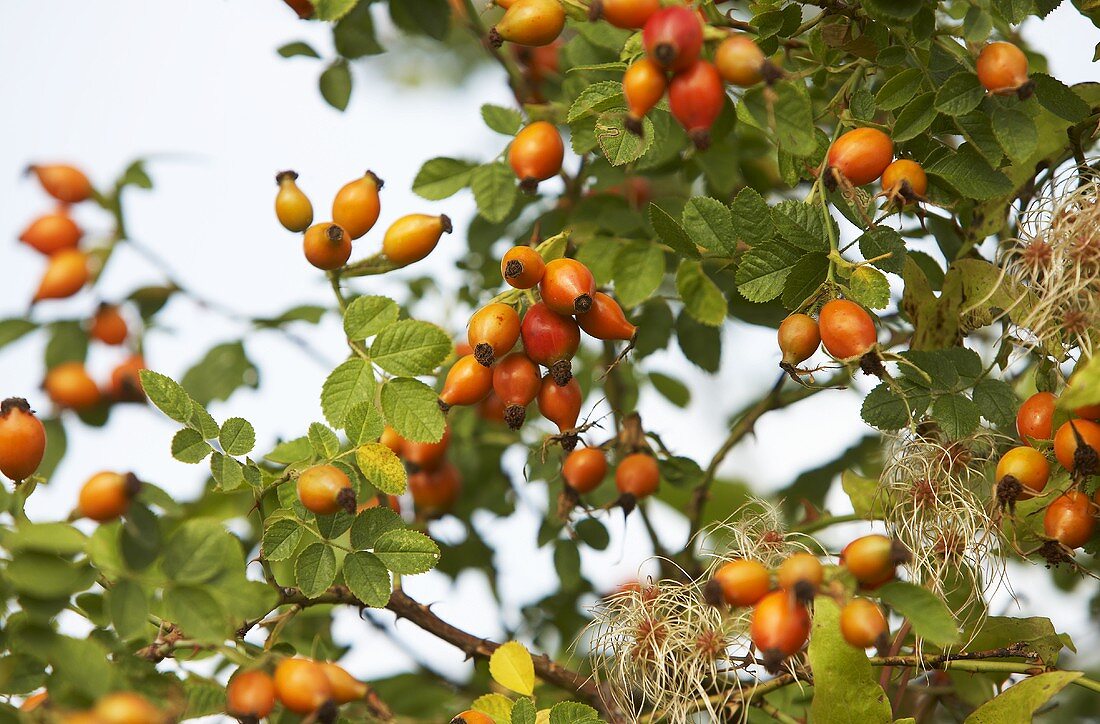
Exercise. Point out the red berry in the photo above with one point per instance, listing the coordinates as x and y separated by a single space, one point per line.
695 97
550 340
516 382
673 37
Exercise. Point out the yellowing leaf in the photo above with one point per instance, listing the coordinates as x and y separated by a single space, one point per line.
381 468
512 668
496 706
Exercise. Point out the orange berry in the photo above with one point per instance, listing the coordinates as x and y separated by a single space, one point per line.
301 685
427 455
1070 519
126 380
522 267
66 274
743 582
862 623
108 325
326 246
250 694
356 206
63 182
22 439
740 60
801 573
493 331
529 22
1027 466
536 154
861 155
1074 456
516 382
626 14
1035 418
326 489
847 330
780 627
345 687
904 179
50 233
378 501
695 98
872 559
436 492
550 339
125 707
472 717
468 383
69 386
106 496
391 439
606 320
673 37
560 404
637 474
292 206
584 469
644 84
413 237
799 337
1002 68
567 286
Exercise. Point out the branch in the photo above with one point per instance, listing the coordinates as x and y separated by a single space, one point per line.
420 615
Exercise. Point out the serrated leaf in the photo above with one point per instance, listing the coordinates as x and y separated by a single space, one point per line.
915 118
977 129
280 539
315 569
927 613
1016 133
495 191
523 712
959 94
573 712
237 436
884 409
227 472
371 523
702 298
350 384
671 232
511 667
765 268
596 98
802 225
619 145
501 119
996 401
197 613
869 287
709 224
784 108
899 90
129 608
751 217
497 707
381 467
638 270
442 177
363 423
168 396
367 578
335 85
407 552
880 240
956 415
411 408
1018 703
807 276
1058 98
410 348
324 441
368 315
189 447
970 174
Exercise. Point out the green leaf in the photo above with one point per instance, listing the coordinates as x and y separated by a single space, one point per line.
501 119
1058 98
410 348
198 551
595 99
430 17
129 608
197 613
350 384
14 328
709 224
368 315
442 177
58 538
372 523
927 613
315 569
996 401
671 232
406 551
291 451
363 423
47 576
281 539
367 578
411 408
869 287
511 666
332 9
572 712
638 270
751 218
223 370
523 712
68 343
805 278
915 118
381 467
495 191
802 225
970 174
956 415
80 665
1018 703
884 409
845 686
237 436
1016 133
227 472
864 494
671 389
297 48
702 298
899 90
977 129
335 85
764 269
702 345
959 94
619 145
785 108
879 240
168 396
189 447
354 35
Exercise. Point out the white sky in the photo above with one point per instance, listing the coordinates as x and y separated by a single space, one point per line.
198 87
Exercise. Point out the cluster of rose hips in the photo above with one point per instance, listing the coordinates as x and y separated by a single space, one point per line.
303 686
355 210
57 235
844 327
120 707
781 602
1023 472
550 334
636 474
